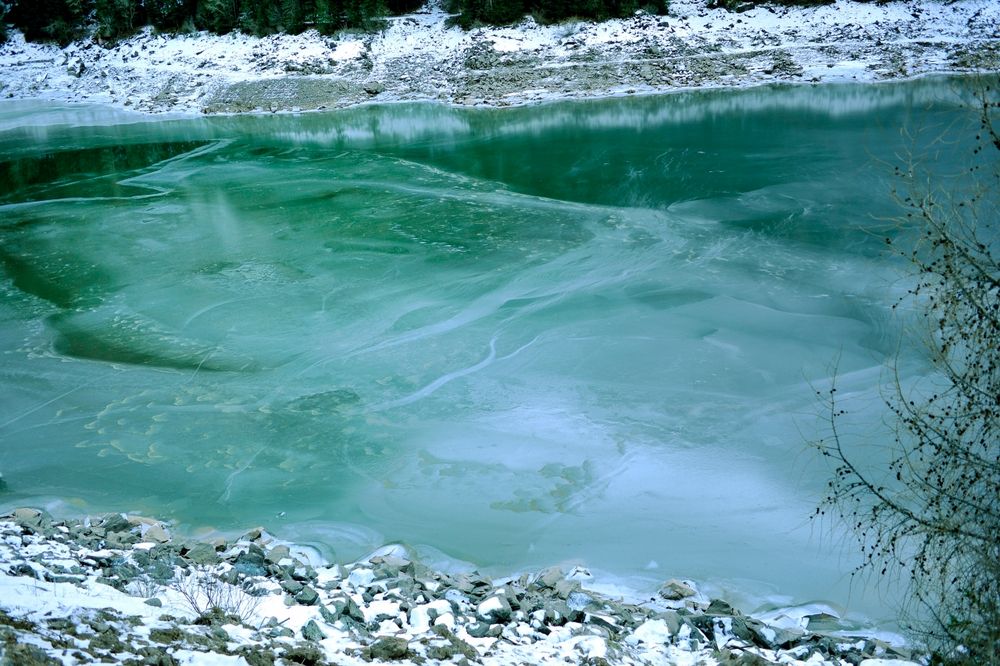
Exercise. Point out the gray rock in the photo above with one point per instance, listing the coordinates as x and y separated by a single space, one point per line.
456 646
31 518
156 534
387 648
673 620
478 629
311 631
292 586
26 655
328 615
579 601
277 554
564 588
550 577
346 607
494 609
719 607
603 620
154 602
251 563
675 590
115 522
76 68
307 597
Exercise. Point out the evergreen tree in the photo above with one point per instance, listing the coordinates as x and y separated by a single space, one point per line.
50 20
116 18
218 16
168 14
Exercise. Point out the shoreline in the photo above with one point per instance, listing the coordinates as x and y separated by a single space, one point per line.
418 58
122 587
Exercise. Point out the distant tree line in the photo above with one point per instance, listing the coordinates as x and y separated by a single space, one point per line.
65 20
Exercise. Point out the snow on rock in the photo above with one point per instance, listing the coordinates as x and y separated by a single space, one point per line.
94 591
420 57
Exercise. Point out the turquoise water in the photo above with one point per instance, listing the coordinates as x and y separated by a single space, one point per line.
586 331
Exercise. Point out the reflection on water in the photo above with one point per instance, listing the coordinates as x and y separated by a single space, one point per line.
586 330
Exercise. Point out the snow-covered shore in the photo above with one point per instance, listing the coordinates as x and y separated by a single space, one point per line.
418 57
119 589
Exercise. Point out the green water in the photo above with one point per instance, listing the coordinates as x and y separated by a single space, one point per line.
587 331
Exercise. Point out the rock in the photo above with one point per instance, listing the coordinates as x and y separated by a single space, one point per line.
304 653
651 632
579 601
115 522
311 631
558 613
455 647
27 655
154 602
257 656
673 620
27 517
361 577
606 621
478 629
728 658
328 615
251 563
719 607
346 607
292 586
564 588
387 648
155 534
307 597
201 553
166 636
277 554
76 68
494 609
675 590
422 617
549 578
156 657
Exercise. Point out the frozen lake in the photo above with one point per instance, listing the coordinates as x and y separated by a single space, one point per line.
586 331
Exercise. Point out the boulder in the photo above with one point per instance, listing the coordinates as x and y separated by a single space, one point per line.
312 632
387 648
200 553
675 590
307 596
494 609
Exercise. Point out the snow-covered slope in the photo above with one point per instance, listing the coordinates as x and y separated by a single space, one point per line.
418 57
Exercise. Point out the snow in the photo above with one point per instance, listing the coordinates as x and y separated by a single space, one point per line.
419 57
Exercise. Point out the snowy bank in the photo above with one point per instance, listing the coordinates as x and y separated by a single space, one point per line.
418 57
120 589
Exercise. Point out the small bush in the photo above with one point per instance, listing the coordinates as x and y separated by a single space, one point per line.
208 595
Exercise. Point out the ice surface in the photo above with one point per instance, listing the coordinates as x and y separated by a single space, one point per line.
584 332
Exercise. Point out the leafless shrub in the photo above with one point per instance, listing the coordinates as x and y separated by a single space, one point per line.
209 596
932 514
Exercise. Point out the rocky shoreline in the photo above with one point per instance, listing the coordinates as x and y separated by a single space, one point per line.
420 57
119 589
